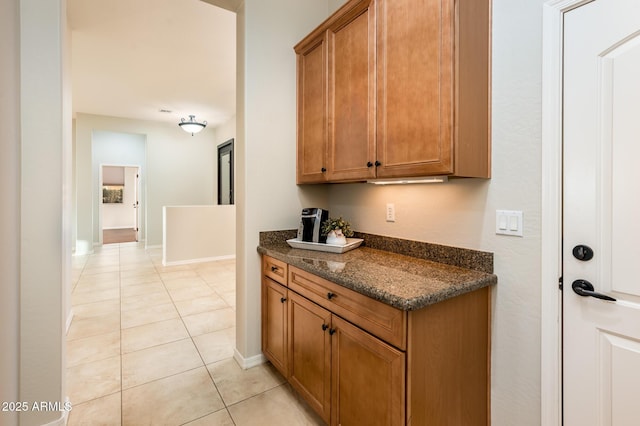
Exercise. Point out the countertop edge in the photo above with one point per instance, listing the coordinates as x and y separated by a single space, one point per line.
458 289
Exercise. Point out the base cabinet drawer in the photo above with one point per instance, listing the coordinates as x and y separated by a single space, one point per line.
379 319
274 269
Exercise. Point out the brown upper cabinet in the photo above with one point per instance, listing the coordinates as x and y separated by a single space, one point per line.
312 114
395 88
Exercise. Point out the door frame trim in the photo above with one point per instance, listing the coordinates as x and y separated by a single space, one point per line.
551 205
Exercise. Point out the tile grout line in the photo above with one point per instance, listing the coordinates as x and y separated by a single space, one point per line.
204 364
226 406
94 261
80 276
121 360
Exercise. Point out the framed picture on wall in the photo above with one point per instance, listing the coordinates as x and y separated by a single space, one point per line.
112 194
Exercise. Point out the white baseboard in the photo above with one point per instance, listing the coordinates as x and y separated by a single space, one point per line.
64 415
69 319
118 227
130 244
204 259
82 247
246 363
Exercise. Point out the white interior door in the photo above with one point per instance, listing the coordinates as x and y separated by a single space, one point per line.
136 202
601 339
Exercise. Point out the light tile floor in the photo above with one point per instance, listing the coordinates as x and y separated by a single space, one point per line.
153 345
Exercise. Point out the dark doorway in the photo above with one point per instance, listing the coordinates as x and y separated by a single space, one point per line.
225 172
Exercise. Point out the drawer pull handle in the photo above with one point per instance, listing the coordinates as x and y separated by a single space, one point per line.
332 331
274 268
283 299
330 295
324 327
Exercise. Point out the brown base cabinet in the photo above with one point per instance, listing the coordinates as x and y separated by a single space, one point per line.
274 323
368 378
359 361
310 353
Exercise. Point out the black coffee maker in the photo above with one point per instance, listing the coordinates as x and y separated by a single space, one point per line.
311 223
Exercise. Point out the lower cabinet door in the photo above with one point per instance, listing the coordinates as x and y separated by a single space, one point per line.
368 378
274 324
310 353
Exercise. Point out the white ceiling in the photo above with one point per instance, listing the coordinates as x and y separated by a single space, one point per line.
132 58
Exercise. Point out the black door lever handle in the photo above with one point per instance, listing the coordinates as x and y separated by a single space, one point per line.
585 288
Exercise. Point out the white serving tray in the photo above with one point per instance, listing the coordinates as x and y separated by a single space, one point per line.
330 248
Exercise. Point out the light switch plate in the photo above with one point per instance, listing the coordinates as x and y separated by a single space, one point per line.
509 222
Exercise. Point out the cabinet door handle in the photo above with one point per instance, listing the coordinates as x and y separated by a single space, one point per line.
274 268
330 295
324 327
283 299
332 331
378 163
323 169
369 164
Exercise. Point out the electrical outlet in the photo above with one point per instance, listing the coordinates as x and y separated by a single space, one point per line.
391 212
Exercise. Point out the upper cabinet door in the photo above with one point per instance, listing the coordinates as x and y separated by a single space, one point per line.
312 111
433 88
351 42
415 87
396 88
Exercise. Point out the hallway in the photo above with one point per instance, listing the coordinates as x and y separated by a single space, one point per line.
153 345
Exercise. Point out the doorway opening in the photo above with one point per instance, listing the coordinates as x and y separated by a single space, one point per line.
225 173
120 204
123 155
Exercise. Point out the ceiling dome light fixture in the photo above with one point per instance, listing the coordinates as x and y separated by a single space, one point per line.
192 126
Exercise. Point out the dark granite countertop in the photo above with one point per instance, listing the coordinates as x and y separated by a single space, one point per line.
407 282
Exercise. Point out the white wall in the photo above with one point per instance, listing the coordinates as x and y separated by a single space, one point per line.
179 170
34 156
113 175
334 5
226 131
44 205
266 193
9 207
198 234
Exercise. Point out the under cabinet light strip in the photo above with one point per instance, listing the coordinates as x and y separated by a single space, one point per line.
429 179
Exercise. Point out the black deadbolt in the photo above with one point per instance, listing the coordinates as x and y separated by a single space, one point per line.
582 252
